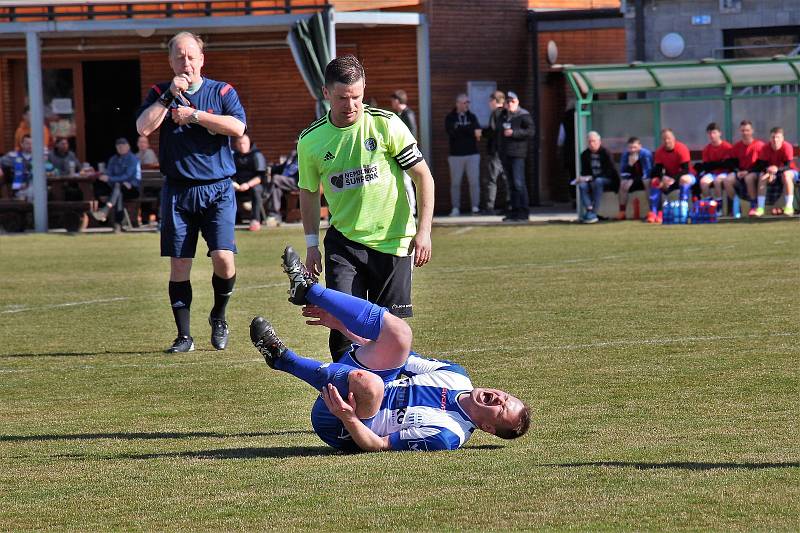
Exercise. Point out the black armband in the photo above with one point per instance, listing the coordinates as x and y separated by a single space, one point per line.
166 99
408 157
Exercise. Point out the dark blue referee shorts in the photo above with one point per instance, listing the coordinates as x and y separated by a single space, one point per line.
188 209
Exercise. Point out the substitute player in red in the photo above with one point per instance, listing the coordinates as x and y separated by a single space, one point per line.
716 163
744 154
672 170
776 170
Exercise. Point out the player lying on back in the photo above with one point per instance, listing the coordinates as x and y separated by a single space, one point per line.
381 395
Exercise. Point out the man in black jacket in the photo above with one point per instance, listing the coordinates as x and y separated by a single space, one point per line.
464 131
251 174
494 165
516 127
597 174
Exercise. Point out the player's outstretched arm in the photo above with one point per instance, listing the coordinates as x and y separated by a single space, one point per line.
423 179
366 439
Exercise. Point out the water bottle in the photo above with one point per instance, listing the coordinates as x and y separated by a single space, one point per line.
676 212
737 207
712 212
684 209
667 213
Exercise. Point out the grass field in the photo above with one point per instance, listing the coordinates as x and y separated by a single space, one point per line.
661 363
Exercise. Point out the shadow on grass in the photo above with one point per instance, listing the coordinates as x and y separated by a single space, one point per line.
150 435
276 452
681 465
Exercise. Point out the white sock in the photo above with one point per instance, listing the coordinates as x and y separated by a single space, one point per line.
789 199
762 201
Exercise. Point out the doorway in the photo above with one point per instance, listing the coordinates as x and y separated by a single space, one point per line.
111 97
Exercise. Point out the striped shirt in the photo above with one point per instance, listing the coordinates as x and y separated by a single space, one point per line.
420 409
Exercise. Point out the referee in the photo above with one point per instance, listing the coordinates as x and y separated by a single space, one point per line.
359 155
196 116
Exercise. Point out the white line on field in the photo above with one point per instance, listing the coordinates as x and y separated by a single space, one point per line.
463 230
622 342
626 342
22 308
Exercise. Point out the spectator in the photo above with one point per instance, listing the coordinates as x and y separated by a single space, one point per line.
400 107
716 164
251 174
776 170
17 170
597 175
399 100
635 167
512 146
672 170
120 182
495 166
24 129
284 179
744 155
147 157
63 159
464 131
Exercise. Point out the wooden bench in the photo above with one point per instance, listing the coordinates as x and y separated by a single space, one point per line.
292 213
16 216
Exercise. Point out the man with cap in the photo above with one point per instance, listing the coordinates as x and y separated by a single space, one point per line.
120 182
515 128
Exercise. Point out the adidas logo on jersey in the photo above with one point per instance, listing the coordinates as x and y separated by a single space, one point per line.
329 156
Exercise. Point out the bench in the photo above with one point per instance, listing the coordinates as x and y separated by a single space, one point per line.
16 216
292 213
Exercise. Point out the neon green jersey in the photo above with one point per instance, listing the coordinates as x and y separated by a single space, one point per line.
361 171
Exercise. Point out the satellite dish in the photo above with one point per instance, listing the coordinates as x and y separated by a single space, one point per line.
552 52
672 45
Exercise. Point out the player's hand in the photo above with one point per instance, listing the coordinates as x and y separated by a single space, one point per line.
772 169
103 177
235 185
314 261
179 84
126 185
182 115
336 405
321 318
421 246
508 133
244 187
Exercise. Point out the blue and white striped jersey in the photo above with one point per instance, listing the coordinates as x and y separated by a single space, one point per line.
420 410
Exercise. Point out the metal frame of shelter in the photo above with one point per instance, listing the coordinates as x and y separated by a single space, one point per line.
646 83
34 32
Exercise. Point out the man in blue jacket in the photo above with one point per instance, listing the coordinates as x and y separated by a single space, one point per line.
634 172
120 182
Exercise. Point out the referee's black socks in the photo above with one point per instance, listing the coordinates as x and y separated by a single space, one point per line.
223 288
180 298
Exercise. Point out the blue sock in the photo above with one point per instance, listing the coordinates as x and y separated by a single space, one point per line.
315 373
359 316
655 199
685 192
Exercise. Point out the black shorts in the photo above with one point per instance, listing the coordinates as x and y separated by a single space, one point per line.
381 278
637 185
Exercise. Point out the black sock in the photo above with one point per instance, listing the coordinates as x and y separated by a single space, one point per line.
223 288
180 298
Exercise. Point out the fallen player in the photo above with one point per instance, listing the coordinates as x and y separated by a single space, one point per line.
381 395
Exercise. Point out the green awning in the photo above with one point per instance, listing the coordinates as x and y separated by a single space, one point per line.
723 74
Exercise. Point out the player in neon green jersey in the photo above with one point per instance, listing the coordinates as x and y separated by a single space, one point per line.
358 154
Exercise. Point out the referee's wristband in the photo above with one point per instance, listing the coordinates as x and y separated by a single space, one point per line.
312 240
166 99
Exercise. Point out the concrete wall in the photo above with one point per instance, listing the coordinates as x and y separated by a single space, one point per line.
665 16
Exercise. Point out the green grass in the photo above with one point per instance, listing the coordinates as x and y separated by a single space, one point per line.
661 364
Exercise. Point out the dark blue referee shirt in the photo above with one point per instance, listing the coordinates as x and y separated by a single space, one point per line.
191 152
